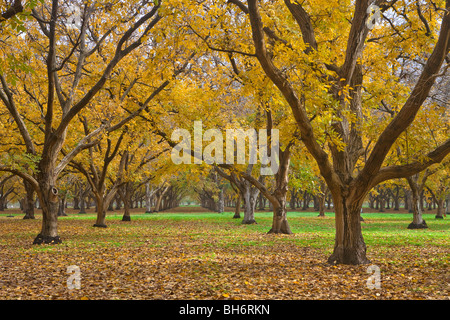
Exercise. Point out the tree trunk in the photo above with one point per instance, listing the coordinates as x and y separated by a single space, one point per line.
62 207
221 202
397 202
280 223
29 201
76 198
321 198
101 212
158 202
293 198
148 198
440 208
126 207
321 206
278 197
237 210
418 221
349 247
82 205
306 198
160 197
249 196
50 203
76 203
127 195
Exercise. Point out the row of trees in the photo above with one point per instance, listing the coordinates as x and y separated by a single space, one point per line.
96 89
216 193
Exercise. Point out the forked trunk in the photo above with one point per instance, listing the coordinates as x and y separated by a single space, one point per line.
349 247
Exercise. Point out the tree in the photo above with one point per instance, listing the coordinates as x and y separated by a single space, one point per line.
68 49
315 67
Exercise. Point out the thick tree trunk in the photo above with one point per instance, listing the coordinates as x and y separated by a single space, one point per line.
349 247
101 212
50 204
280 223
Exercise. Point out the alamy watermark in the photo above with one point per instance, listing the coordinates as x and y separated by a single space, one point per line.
374 18
235 142
74 280
374 281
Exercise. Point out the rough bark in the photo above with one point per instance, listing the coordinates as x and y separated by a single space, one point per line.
50 204
349 247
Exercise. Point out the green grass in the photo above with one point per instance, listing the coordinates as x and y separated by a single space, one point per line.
379 229
385 229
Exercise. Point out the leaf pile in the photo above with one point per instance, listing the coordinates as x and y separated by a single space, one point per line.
203 259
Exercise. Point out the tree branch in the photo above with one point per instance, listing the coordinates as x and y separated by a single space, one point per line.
404 171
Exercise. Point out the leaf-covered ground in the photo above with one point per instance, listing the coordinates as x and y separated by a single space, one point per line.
212 256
